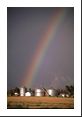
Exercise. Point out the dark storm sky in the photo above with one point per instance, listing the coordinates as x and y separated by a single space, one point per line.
24 29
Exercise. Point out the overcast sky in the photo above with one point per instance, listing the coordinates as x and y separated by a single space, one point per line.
25 26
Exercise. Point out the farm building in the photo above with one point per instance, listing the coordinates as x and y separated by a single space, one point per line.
38 92
28 94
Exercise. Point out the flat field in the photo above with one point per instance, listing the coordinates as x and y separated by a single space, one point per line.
39 103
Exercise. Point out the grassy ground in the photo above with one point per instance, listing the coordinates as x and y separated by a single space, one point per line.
40 102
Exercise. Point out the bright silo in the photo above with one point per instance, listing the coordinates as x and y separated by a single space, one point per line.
51 92
22 91
28 94
39 92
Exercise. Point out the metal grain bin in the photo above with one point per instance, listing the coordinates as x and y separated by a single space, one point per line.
39 92
22 91
51 92
28 94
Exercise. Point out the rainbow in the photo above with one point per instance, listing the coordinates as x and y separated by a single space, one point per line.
41 48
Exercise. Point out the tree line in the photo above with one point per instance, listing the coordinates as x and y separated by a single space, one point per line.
68 90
